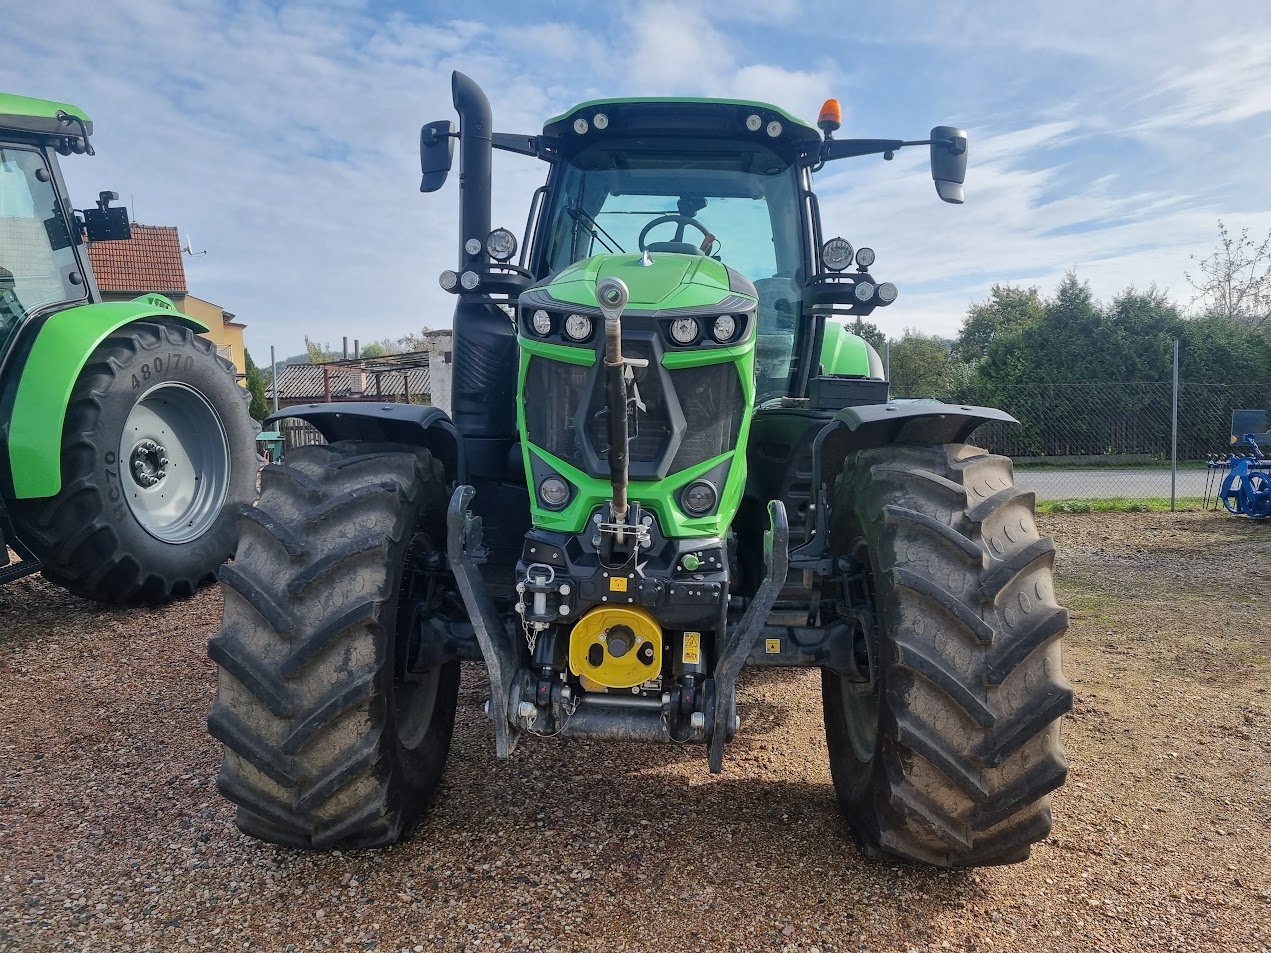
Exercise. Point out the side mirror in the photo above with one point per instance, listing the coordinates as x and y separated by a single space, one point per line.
948 162
436 153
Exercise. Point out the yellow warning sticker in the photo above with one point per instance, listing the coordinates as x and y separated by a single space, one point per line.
772 646
618 584
692 652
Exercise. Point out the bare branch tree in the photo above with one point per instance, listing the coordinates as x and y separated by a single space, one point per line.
1234 280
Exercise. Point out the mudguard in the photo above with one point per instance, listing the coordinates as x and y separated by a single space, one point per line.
418 425
901 421
62 347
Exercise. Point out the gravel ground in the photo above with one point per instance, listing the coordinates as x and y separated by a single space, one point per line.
112 836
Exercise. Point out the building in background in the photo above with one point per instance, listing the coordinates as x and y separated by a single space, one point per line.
151 262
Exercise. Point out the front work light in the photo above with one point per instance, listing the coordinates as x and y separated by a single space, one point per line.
448 279
554 492
725 327
469 280
472 246
541 322
578 327
700 497
684 330
864 291
887 293
865 257
837 254
500 244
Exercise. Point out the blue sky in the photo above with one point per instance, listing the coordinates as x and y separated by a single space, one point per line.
283 137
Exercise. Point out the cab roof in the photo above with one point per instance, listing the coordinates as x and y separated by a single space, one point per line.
40 116
630 122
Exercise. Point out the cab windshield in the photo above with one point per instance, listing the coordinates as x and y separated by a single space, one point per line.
739 207
36 254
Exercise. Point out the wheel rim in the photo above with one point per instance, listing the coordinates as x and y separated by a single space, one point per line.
174 454
862 702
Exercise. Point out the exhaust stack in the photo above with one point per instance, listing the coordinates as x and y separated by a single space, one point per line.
476 133
612 295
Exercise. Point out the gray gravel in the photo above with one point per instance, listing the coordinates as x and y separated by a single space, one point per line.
112 836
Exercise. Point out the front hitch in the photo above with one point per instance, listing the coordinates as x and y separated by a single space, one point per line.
741 638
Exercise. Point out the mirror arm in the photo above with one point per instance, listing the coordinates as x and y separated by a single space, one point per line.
850 148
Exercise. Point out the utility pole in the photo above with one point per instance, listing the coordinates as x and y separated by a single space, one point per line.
1173 454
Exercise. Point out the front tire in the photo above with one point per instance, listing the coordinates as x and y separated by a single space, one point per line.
158 452
326 744
949 758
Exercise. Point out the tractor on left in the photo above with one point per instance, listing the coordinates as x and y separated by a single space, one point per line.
126 448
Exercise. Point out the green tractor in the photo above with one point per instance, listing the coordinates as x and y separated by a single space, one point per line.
666 461
125 442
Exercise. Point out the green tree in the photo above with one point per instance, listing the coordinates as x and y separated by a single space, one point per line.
922 366
1007 311
259 408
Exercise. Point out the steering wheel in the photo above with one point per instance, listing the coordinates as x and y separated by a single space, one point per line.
679 245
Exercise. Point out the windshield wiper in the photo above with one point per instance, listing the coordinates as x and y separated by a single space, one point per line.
596 230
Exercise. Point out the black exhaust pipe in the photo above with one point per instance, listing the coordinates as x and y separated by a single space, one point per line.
476 132
611 295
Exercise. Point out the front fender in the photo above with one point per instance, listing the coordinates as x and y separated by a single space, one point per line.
419 425
63 346
902 421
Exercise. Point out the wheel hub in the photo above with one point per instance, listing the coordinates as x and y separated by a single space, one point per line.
148 463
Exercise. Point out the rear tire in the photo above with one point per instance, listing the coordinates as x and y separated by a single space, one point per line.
324 746
949 760
158 452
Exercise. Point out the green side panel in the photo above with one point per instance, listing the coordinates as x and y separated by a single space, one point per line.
755 104
671 281
65 343
14 107
842 352
583 356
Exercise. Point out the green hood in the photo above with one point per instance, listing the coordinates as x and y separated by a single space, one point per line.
669 281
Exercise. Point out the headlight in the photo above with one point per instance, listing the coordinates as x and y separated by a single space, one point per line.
541 322
448 279
469 280
472 246
864 291
554 492
501 244
578 327
837 254
684 330
864 257
725 327
887 293
699 498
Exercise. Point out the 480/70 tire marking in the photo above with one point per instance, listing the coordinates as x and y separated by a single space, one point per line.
157 365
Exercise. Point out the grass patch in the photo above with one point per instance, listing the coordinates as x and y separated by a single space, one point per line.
1119 504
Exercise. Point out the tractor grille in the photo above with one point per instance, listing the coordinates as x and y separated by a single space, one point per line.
553 393
565 406
712 402
649 429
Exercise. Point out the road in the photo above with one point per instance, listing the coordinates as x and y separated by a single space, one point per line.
1102 483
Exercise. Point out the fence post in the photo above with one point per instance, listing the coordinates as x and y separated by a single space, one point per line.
1173 453
273 375
887 359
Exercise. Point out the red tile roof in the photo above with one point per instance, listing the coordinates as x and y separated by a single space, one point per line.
149 261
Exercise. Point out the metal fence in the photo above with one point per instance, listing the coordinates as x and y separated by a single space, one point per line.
1105 440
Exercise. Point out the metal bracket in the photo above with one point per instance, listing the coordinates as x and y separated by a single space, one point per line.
502 661
737 647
